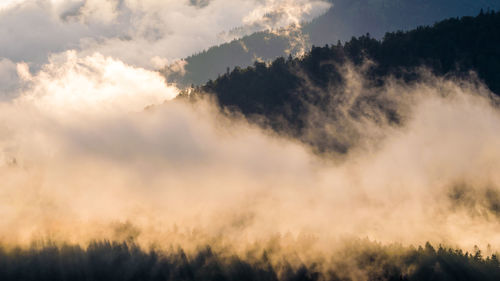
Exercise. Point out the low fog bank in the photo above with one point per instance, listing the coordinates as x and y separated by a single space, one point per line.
90 151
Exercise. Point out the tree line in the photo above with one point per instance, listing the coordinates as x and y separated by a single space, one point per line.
105 260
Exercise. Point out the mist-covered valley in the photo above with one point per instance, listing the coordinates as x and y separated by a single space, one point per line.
372 159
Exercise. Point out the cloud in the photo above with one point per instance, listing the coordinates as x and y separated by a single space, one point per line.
95 84
275 14
32 30
9 3
135 31
283 18
9 80
199 3
79 156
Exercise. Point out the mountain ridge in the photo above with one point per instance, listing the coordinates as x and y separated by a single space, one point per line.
344 20
278 95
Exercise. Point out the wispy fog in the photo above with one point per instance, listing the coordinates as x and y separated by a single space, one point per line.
80 156
144 33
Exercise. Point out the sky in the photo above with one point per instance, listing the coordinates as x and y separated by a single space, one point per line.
142 34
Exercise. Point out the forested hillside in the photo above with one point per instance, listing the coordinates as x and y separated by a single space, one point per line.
216 60
345 19
279 94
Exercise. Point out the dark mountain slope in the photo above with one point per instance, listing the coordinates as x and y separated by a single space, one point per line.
347 18
210 63
279 95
